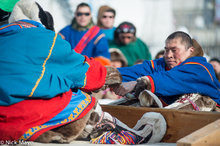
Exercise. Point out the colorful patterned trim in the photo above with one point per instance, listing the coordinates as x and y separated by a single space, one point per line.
13 24
98 38
217 105
152 84
75 114
202 66
43 66
25 24
152 64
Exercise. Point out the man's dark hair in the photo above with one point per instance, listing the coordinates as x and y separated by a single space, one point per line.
82 5
215 59
185 38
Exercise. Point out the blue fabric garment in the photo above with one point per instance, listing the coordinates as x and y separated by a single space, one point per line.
27 54
109 33
194 75
73 111
100 48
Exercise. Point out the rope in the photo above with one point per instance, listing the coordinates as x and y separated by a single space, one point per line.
192 103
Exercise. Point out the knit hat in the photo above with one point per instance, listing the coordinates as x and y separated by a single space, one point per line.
29 9
103 9
6 6
117 55
126 27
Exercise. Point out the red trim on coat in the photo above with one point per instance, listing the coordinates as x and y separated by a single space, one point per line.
152 84
16 119
87 37
95 76
86 110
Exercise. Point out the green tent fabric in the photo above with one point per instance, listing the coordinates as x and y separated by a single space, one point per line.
7 5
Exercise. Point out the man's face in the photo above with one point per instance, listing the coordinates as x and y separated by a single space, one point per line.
176 52
107 20
216 66
126 38
83 16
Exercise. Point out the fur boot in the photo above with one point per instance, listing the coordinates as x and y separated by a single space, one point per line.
149 99
194 102
149 129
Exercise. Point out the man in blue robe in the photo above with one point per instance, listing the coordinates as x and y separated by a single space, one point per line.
182 70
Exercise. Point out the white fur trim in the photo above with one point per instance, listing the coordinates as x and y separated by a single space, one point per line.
177 104
145 78
25 9
98 109
108 116
144 101
207 109
158 124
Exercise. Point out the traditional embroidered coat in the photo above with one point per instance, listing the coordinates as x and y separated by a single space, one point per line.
194 75
96 45
40 81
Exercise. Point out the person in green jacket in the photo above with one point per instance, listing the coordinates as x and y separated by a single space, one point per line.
132 47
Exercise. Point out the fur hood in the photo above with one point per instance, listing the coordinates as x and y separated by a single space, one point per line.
117 55
30 10
103 9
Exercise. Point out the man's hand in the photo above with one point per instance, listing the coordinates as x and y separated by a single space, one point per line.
142 84
124 88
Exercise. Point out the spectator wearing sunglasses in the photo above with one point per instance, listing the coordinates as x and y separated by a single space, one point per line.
132 47
106 19
85 37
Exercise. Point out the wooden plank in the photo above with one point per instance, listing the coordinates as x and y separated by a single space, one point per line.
179 122
208 135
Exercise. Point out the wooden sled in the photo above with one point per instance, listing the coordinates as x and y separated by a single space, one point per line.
185 128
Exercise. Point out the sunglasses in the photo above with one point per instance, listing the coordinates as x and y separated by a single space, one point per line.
107 16
80 14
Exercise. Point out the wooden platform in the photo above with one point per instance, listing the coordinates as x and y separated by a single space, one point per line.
180 123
